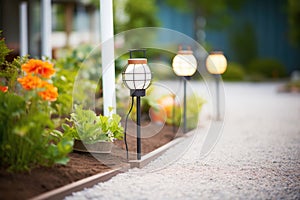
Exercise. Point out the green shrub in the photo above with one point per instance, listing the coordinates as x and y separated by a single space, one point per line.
234 72
238 41
266 68
194 107
4 50
67 69
28 137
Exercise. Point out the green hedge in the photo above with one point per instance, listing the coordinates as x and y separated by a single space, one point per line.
234 72
266 68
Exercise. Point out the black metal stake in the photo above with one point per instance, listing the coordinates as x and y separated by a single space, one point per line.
138 124
138 93
218 97
184 104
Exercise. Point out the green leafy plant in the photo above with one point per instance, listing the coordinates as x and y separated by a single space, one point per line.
58 149
67 68
27 131
4 50
90 128
28 138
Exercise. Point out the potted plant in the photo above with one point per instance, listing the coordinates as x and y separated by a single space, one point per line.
93 133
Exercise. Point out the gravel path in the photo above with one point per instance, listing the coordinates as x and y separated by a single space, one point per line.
257 156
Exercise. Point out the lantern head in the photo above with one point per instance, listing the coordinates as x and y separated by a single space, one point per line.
184 63
137 76
216 62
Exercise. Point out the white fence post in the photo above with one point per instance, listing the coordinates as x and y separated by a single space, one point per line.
108 64
23 29
46 26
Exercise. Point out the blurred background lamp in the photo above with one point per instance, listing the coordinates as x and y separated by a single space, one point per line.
216 62
184 63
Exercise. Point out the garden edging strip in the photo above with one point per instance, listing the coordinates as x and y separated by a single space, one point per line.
146 159
60 193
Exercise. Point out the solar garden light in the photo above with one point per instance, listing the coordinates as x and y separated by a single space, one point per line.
184 65
137 77
216 64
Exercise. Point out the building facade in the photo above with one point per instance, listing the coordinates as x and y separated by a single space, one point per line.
261 26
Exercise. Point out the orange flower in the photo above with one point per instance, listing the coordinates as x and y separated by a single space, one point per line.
45 69
30 82
3 88
50 94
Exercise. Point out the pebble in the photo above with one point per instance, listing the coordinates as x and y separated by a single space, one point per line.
253 159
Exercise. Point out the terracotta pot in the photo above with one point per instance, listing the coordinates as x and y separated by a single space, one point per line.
164 109
98 147
157 115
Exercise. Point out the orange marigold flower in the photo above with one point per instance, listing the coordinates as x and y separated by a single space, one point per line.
43 68
30 82
3 88
50 93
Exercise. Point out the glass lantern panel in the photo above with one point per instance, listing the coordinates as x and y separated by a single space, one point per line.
139 84
137 76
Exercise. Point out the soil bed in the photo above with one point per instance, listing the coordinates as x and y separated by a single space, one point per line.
82 165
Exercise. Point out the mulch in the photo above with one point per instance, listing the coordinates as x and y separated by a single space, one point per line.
42 179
